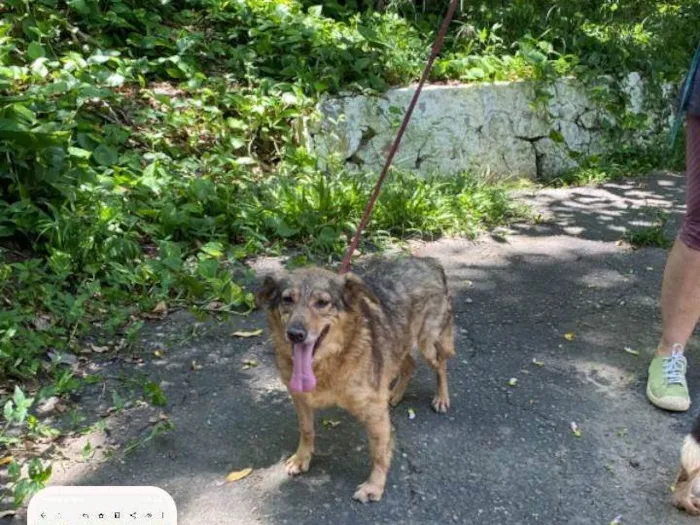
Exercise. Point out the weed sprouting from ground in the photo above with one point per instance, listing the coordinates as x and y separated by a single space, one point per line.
653 236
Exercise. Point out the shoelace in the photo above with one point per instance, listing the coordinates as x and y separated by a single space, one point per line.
674 368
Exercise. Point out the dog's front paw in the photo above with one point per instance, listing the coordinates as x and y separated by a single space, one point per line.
368 492
297 464
683 498
440 404
690 504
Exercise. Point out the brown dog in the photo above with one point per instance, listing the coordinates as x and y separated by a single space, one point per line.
342 340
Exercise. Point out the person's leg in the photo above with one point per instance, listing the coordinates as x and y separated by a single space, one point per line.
680 298
680 292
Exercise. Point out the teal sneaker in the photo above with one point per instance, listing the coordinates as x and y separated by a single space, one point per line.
666 386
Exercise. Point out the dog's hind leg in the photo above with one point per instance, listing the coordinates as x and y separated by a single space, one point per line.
408 367
436 353
301 460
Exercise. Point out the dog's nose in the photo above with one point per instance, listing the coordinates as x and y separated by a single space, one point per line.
296 333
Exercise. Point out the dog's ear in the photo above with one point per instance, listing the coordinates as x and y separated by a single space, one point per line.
354 288
268 295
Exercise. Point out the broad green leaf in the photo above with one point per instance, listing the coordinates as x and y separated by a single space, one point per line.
99 58
9 411
24 114
21 490
284 230
208 268
150 178
213 249
236 142
79 153
39 67
14 471
115 80
35 51
56 88
475 73
289 98
235 123
104 155
19 398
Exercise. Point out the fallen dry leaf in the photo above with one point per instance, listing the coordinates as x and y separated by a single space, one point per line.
569 336
215 305
254 333
6 460
250 363
239 474
196 365
575 429
411 414
537 363
630 351
512 381
330 423
159 312
42 322
161 308
99 349
158 353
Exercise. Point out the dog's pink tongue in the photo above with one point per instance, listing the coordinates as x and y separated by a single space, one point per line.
303 379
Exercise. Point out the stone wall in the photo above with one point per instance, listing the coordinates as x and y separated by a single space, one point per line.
490 129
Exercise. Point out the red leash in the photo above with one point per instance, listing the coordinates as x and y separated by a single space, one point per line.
395 145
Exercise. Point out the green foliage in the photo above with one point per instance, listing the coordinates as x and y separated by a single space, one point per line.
149 147
146 163
651 236
25 478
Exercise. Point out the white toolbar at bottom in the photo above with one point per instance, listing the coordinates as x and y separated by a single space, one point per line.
102 506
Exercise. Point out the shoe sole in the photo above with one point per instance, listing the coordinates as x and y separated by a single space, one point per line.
672 404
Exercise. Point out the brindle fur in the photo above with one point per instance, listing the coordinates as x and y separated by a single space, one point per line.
374 324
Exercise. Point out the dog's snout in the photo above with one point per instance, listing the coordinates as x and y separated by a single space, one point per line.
296 333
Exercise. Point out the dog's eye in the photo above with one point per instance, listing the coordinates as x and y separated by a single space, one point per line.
322 303
288 299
